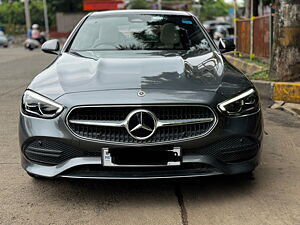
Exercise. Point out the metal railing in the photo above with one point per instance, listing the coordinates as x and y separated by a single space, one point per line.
256 41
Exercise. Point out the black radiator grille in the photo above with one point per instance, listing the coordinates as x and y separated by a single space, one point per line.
120 134
50 152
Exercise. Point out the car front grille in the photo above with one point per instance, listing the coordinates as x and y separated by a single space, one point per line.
184 118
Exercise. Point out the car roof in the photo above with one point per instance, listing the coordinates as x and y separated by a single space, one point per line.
157 12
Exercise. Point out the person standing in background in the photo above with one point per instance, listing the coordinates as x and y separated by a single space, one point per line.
35 34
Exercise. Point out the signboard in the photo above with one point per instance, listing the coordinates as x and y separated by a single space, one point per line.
99 5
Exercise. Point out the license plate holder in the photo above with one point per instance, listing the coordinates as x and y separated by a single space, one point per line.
141 158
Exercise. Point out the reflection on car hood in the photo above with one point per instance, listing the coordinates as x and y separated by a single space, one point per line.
117 70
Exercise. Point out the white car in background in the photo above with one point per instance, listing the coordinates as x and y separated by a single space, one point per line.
3 40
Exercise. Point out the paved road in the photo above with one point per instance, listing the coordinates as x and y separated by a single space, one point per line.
272 197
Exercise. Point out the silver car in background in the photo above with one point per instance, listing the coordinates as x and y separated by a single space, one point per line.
3 40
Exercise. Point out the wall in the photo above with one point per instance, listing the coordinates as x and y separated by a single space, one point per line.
65 22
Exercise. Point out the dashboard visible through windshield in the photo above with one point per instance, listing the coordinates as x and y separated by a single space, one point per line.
140 32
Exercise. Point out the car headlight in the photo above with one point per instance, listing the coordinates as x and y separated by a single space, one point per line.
36 105
243 104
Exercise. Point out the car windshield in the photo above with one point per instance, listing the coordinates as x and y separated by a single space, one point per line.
140 32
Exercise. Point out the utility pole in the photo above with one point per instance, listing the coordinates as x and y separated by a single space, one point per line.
27 14
46 19
251 29
235 21
159 4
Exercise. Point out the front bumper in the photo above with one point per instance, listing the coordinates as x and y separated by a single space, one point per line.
199 157
201 166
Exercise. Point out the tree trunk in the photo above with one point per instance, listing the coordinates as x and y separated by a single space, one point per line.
285 60
255 7
247 8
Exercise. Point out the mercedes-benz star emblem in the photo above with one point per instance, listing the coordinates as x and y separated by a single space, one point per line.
141 124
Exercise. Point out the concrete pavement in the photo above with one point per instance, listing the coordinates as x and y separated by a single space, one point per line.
272 197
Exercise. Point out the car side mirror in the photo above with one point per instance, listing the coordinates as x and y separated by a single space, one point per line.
226 45
51 46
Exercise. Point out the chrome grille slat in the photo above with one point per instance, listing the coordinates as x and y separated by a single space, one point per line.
160 123
174 123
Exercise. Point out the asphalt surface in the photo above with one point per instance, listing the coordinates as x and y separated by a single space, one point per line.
272 196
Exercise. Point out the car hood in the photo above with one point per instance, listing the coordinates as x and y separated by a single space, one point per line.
87 71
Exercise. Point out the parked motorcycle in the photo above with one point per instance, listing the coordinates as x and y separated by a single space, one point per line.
32 44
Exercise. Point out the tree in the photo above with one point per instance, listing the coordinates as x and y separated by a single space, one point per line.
12 11
65 5
210 9
12 14
255 6
138 4
285 61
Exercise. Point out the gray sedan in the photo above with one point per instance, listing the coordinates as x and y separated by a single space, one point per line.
139 95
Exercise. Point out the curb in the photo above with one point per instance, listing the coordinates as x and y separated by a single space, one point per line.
287 92
264 88
246 67
278 91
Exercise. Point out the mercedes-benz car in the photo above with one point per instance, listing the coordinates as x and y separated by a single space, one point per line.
138 95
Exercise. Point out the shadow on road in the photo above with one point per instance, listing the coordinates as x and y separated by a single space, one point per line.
108 192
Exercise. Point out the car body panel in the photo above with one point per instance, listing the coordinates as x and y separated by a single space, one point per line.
96 71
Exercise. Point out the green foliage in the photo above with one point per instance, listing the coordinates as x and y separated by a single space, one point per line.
210 9
255 61
12 14
15 29
138 4
263 75
37 12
